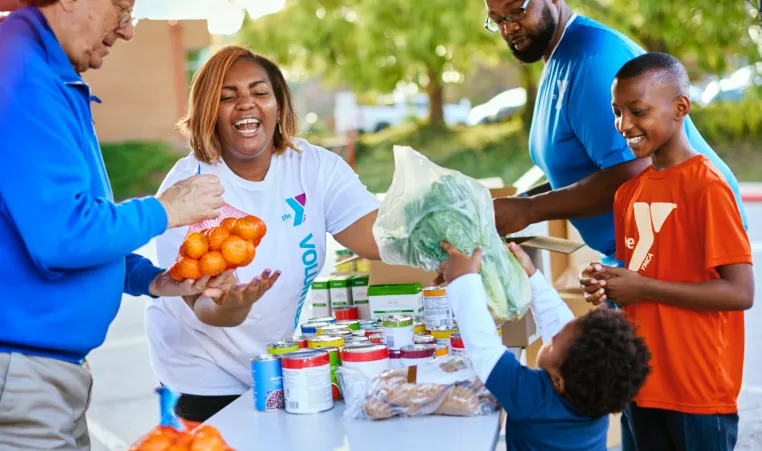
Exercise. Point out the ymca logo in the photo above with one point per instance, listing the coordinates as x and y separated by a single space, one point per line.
297 204
562 85
648 219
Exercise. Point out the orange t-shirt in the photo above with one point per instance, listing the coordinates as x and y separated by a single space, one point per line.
678 225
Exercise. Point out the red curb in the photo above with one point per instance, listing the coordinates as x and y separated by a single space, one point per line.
751 197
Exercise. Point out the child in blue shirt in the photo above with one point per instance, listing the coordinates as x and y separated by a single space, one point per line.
589 366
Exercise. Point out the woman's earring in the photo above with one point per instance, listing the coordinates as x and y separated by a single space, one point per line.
279 129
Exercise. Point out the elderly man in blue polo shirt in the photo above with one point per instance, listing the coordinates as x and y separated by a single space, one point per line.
66 249
573 138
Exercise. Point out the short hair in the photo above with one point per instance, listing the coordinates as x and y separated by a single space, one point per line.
663 68
605 365
199 124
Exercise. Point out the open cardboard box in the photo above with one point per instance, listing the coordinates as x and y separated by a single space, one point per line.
520 333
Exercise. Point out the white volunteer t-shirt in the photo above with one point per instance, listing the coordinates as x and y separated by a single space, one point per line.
305 194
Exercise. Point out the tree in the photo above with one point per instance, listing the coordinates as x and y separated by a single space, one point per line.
372 45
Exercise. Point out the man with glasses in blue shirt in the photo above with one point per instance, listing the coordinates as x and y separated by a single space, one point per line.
573 138
66 248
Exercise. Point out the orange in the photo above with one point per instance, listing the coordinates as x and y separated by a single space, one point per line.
213 264
174 273
217 236
195 245
251 251
228 224
234 250
188 268
250 228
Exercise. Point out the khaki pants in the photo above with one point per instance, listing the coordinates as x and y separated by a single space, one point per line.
43 403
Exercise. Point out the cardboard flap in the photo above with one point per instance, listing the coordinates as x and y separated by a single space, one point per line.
547 243
384 274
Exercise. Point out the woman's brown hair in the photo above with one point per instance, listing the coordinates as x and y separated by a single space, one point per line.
199 124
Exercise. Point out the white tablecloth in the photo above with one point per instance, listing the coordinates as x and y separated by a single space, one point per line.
246 429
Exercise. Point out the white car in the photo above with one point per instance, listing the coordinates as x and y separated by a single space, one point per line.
500 107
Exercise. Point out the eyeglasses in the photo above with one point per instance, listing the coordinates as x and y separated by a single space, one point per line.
516 15
126 16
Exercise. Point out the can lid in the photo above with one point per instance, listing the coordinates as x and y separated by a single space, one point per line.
356 339
322 319
264 357
338 333
398 321
299 338
314 326
368 353
358 333
417 323
283 344
423 339
419 351
444 331
351 345
376 336
305 359
377 330
325 339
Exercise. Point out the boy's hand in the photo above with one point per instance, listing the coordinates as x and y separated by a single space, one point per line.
523 258
458 264
625 287
593 282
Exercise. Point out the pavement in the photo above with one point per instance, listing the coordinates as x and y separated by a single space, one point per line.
124 405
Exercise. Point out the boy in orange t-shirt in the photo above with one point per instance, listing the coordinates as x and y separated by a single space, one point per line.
687 276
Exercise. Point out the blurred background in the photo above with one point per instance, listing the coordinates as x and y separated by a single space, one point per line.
368 74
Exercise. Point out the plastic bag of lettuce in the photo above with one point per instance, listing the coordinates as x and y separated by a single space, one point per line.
427 204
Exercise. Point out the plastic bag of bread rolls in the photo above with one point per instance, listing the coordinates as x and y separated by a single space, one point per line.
444 386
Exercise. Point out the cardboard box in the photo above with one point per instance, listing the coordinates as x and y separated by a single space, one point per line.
360 295
320 298
341 291
390 299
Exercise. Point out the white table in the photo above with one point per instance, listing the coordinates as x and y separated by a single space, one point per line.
246 429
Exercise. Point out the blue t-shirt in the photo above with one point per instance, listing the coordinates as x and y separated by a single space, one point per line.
573 133
538 418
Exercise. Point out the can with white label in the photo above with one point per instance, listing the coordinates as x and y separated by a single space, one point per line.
436 308
307 381
398 331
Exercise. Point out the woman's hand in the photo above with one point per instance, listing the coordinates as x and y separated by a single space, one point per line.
245 295
165 285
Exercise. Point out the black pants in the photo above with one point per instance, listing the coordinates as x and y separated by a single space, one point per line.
201 408
666 430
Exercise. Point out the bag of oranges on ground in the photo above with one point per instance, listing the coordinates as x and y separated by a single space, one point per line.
210 247
170 435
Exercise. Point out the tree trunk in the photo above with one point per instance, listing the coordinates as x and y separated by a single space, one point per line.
530 84
436 98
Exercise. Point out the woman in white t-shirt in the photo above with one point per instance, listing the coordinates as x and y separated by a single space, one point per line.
240 126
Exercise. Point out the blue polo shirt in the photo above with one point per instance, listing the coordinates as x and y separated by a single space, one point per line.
573 132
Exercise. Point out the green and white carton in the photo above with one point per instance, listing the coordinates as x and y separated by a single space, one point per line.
321 297
392 299
341 291
360 295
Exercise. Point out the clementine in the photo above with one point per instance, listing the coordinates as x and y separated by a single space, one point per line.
195 245
188 268
234 250
174 273
228 224
217 236
251 251
213 264
250 228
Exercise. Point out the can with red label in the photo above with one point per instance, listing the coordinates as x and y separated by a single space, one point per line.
301 339
346 313
457 348
395 359
416 354
307 381
376 338
373 331
370 359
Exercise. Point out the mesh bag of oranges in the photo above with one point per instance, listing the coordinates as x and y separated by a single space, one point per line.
170 435
228 241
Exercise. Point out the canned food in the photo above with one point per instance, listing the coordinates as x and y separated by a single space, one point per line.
398 331
457 348
357 345
371 359
267 375
368 324
358 333
443 334
307 381
282 347
325 341
338 332
395 359
441 350
333 355
355 339
416 354
419 327
301 339
351 324
322 319
499 330
373 331
436 308
424 339
376 338
311 328
330 327
349 312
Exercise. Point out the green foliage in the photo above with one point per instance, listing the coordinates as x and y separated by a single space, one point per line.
137 168
729 122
